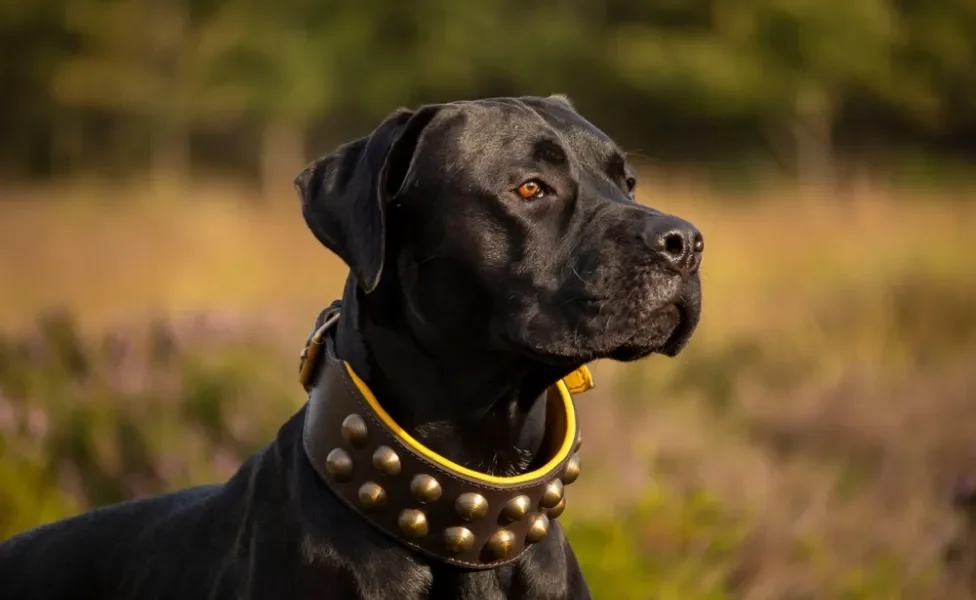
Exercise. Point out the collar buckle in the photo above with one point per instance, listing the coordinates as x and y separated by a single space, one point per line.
309 359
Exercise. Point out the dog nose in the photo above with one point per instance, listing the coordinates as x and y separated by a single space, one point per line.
676 241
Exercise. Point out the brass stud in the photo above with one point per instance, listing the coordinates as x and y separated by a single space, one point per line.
517 508
557 510
538 528
458 539
338 464
553 494
471 506
413 523
371 495
425 489
386 460
354 431
571 471
501 543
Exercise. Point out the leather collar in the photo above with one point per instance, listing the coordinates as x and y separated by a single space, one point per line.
421 499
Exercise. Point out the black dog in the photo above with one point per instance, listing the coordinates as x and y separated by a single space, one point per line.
494 247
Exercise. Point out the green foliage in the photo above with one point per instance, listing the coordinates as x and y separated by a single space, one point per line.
692 546
84 424
668 546
99 75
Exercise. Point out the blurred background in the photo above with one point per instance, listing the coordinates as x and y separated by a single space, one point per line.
815 440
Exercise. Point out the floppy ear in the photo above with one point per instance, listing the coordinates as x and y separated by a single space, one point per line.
344 195
562 99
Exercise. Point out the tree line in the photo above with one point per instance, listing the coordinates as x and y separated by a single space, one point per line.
254 87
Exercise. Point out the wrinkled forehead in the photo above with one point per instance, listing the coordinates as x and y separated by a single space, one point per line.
488 132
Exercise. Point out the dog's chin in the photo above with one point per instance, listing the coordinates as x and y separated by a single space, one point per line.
669 333
665 331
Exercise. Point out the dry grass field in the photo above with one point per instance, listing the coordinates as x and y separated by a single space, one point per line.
803 446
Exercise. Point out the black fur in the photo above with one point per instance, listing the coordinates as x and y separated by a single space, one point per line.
464 302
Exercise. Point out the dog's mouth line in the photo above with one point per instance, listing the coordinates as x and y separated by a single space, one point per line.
668 348
592 299
673 345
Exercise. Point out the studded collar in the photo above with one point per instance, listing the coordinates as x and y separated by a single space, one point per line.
423 500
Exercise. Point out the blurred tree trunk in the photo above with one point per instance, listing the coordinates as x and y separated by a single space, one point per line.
171 154
282 156
67 142
169 37
811 132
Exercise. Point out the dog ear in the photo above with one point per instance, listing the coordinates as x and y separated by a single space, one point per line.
344 195
562 99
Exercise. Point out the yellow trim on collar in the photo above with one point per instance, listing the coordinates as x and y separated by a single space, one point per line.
581 380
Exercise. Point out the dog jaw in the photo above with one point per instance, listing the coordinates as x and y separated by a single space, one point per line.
653 312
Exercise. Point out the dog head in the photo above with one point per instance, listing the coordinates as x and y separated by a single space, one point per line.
508 225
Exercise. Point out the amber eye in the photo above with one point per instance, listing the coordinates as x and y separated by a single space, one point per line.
530 190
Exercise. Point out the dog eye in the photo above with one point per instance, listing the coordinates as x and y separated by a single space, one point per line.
631 184
531 190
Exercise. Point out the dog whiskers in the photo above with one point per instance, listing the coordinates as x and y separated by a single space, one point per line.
575 272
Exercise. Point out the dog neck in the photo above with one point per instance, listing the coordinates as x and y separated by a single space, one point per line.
481 410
